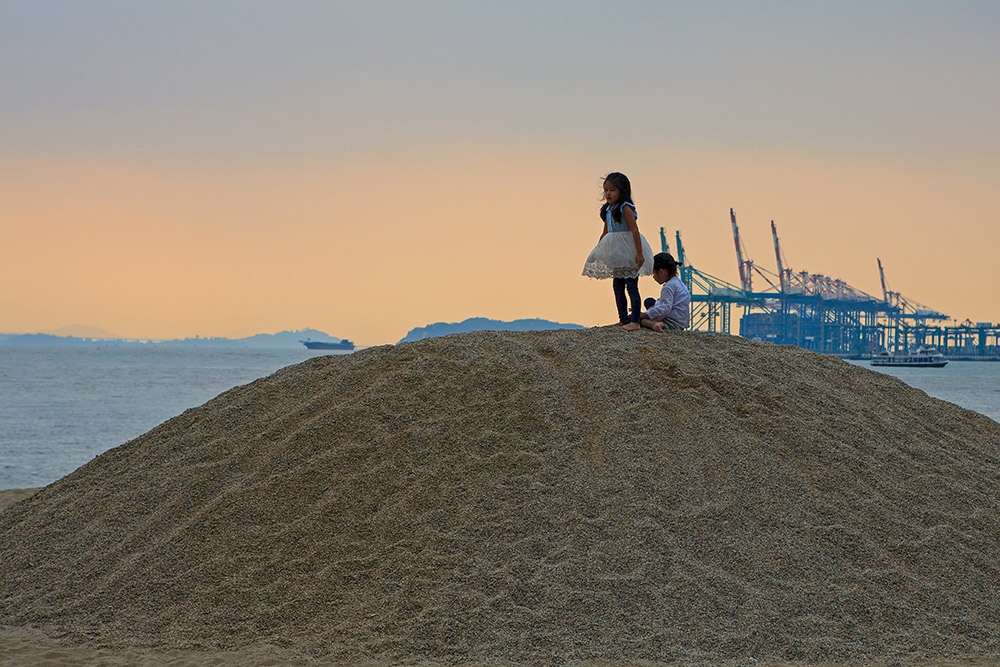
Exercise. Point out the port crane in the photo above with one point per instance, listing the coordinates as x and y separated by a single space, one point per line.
747 266
909 317
818 312
908 308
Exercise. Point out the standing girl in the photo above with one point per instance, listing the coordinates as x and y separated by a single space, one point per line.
622 253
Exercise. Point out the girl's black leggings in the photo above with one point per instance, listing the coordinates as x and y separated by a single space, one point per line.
620 286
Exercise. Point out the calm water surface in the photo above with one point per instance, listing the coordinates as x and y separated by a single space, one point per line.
974 385
60 407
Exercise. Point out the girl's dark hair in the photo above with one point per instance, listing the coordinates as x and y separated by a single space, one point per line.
664 260
620 181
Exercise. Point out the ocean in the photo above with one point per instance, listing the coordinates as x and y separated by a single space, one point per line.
974 385
62 406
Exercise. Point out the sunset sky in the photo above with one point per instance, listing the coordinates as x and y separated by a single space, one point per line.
171 169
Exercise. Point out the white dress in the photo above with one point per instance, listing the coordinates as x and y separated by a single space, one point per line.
614 255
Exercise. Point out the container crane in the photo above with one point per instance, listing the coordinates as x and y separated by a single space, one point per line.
820 313
910 308
890 298
783 277
747 267
744 266
811 284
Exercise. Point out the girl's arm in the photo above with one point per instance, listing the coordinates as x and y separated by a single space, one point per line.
605 232
663 305
630 220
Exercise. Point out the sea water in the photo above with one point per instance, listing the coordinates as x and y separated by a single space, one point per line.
974 385
62 406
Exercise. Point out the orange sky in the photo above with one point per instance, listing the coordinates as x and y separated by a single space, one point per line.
166 218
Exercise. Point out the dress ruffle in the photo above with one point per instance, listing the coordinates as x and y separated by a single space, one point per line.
614 257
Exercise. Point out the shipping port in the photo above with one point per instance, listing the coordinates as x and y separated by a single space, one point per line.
823 314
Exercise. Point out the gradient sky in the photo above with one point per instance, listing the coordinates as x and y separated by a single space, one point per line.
232 167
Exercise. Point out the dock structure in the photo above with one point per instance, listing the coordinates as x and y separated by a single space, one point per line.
823 314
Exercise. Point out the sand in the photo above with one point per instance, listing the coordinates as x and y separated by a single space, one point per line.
530 498
11 496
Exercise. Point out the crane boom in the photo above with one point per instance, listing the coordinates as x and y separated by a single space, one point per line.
744 274
777 256
881 275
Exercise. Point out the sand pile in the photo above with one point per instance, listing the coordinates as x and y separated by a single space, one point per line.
534 497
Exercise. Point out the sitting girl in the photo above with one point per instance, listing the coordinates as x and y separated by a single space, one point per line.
670 311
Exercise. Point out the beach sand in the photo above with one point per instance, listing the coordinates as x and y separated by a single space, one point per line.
11 496
28 646
568 497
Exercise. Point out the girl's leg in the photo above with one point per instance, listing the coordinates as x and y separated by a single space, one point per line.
632 285
618 285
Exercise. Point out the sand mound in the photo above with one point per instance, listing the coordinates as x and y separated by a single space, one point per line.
535 497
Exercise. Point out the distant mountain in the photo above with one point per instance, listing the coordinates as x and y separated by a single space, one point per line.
281 340
289 338
48 340
482 324
82 331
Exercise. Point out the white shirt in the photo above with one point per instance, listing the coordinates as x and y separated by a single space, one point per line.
673 303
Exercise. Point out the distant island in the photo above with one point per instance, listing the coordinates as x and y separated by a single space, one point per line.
281 340
82 331
482 324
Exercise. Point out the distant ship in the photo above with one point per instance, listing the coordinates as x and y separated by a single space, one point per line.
924 357
320 345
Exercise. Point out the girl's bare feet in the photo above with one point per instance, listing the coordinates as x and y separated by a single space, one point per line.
631 326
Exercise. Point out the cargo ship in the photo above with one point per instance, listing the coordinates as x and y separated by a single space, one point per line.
325 345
